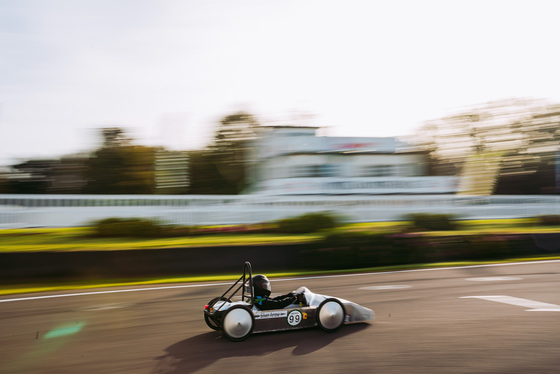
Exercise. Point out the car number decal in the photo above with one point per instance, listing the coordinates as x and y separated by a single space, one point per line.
294 318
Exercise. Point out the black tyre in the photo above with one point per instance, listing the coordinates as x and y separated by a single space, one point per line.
209 321
238 323
330 315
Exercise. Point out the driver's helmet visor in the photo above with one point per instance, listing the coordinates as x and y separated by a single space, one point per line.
266 286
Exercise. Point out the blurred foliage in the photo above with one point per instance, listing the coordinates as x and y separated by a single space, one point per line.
347 250
222 167
432 221
390 240
205 177
307 223
489 247
548 220
127 228
148 228
121 170
234 131
119 167
230 150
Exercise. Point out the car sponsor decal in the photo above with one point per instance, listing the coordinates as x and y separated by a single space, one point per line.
294 318
267 315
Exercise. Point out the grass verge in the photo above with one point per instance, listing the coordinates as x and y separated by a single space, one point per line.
76 239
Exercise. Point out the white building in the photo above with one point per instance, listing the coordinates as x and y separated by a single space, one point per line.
290 160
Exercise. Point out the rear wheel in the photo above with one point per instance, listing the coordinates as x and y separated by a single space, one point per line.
209 321
330 315
238 323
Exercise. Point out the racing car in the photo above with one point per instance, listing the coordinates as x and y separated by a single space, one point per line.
241 318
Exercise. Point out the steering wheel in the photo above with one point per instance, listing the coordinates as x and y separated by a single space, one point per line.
300 297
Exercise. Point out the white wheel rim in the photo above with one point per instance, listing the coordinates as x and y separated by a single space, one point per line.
331 315
238 323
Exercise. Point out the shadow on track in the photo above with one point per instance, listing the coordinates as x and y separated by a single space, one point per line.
202 350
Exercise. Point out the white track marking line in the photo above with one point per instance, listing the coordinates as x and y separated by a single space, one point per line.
275 280
386 287
534 306
493 279
112 291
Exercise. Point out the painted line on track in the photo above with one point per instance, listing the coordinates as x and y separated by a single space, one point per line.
111 291
534 306
386 287
493 279
275 280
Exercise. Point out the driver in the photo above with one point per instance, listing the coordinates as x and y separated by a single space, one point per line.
261 286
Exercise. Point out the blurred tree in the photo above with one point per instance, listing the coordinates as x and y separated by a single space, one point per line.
119 167
234 130
226 159
204 175
114 137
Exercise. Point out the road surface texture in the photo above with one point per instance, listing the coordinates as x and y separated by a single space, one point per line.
483 319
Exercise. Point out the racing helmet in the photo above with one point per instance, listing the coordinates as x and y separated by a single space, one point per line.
261 285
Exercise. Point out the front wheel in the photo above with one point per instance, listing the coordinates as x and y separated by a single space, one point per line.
238 323
330 315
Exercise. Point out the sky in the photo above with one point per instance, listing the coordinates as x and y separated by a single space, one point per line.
167 71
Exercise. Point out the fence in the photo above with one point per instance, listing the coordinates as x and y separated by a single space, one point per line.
78 210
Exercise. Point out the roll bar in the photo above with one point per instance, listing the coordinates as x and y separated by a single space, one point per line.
245 282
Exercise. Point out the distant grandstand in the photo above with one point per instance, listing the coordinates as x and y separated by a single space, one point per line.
480 174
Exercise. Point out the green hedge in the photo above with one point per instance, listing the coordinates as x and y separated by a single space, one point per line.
127 227
364 249
308 223
549 220
146 228
432 221
368 249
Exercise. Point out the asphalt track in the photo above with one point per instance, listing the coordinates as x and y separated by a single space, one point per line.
486 319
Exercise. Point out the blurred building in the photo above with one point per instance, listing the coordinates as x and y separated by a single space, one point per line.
292 160
58 176
67 176
171 172
480 174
